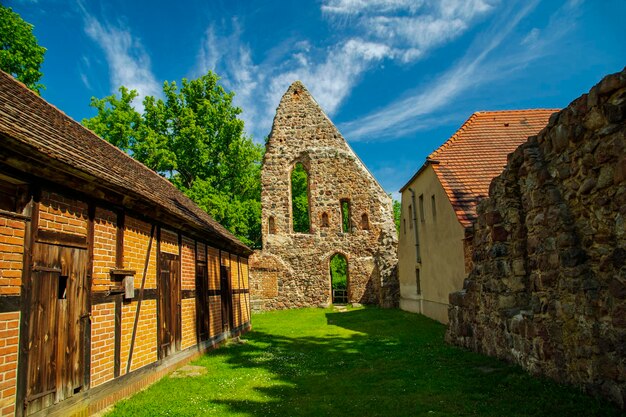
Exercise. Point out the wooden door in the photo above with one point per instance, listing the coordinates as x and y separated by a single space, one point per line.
169 305
57 325
202 301
227 299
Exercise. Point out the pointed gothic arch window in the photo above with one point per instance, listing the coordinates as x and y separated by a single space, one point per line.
300 199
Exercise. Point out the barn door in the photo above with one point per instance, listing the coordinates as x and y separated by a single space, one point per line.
57 324
202 301
169 305
227 300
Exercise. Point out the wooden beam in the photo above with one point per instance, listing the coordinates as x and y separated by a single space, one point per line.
87 341
119 240
117 347
53 237
30 234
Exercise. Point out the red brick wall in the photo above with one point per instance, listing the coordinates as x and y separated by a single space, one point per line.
102 343
215 302
136 241
11 252
169 241
145 349
9 329
104 246
62 214
201 252
188 319
188 281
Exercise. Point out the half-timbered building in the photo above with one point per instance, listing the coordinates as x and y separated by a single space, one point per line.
109 276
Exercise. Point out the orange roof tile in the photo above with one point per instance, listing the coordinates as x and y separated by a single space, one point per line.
467 162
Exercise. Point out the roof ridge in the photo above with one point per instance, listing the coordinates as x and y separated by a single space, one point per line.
456 134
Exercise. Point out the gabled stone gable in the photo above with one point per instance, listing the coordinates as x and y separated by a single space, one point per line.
293 268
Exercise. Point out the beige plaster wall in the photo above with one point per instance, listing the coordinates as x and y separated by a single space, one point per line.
442 268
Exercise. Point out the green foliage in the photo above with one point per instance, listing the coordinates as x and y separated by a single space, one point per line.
20 54
396 215
195 138
339 272
361 362
300 199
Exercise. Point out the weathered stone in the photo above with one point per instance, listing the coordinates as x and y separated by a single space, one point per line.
566 252
302 133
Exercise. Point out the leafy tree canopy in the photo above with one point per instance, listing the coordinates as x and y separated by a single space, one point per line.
194 137
20 54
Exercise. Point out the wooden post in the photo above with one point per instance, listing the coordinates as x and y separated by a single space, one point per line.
30 234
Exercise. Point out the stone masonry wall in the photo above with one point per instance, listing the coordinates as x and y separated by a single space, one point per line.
293 269
548 286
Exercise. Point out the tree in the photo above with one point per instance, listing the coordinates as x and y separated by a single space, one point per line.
194 137
396 215
20 54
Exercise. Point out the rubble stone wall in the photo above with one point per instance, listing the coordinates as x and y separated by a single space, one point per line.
293 269
548 285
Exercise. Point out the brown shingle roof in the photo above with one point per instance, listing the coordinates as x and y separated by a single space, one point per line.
47 132
467 162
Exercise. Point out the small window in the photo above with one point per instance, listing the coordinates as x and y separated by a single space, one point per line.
421 202
418 283
433 207
410 216
62 288
300 199
271 225
365 222
325 221
404 225
346 225
13 194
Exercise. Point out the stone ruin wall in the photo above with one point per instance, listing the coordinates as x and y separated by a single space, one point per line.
293 269
548 286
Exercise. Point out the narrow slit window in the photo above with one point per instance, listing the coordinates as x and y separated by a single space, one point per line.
421 205
345 216
410 214
271 225
404 225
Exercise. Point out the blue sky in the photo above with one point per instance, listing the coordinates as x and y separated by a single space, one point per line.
397 77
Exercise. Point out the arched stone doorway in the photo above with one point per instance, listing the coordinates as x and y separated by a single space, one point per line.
339 278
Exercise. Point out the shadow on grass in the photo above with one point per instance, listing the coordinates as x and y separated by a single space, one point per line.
365 362
396 365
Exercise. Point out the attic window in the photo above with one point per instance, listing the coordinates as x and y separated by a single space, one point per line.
506 125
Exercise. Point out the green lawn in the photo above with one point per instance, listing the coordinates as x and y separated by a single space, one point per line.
363 362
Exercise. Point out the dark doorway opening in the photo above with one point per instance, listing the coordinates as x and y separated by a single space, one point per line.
339 278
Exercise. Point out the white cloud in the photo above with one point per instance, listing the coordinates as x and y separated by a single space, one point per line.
477 67
400 30
129 63
409 28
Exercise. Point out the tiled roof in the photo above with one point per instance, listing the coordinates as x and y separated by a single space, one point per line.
30 120
467 162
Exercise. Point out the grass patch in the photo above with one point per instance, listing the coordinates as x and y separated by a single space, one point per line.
363 362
